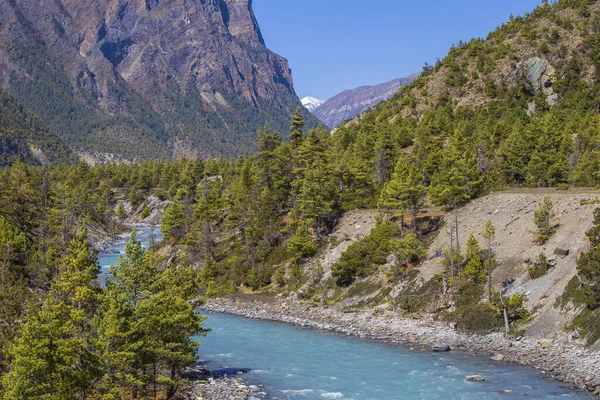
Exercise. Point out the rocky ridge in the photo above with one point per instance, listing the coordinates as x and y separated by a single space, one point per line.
350 103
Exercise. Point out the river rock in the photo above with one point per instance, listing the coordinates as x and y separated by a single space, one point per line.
498 357
475 378
441 347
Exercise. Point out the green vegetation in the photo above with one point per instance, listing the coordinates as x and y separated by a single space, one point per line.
21 132
364 256
62 336
255 222
543 216
540 267
584 289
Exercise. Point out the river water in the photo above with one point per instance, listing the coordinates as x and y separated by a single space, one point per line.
298 363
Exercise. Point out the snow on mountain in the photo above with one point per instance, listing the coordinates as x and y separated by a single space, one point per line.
311 103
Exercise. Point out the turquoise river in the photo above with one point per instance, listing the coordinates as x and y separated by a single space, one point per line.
297 363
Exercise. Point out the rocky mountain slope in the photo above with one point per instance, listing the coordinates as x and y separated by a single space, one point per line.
352 102
145 79
516 249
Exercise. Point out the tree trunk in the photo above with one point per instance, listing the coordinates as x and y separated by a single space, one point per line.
505 314
456 228
451 231
445 283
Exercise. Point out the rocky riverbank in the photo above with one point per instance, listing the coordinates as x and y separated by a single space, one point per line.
206 385
564 362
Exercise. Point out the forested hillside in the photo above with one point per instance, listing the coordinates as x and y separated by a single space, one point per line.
23 135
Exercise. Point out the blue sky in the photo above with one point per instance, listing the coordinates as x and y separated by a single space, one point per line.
333 45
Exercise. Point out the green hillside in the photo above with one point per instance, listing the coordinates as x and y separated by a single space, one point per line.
519 108
24 135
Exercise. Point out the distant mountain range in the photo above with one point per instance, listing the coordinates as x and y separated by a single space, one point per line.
133 79
352 102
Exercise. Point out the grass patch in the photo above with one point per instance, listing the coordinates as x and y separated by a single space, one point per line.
362 289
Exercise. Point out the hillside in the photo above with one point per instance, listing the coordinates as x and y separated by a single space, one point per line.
350 103
516 248
145 79
23 135
539 59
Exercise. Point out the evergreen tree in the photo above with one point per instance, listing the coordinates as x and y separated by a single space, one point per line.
405 191
173 222
317 194
296 134
542 217
474 268
489 234
459 177
148 325
55 355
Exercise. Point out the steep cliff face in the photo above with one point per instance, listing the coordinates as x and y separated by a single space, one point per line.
176 78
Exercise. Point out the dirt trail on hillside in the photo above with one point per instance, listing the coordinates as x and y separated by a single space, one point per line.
512 214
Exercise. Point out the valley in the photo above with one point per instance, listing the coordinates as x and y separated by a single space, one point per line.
457 209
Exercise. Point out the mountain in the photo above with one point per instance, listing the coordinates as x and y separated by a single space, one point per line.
23 135
310 103
352 102
145 78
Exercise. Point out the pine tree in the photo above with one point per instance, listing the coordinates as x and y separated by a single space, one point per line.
296 134
405 191
149 322
173 222
474 268
459 177
542 217
315 181
588 266
55 356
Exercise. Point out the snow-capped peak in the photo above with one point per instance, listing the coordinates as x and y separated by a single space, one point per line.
311 103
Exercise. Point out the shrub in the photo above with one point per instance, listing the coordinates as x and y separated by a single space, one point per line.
540 267
145 212
480 318
362 257
543 216
301 245
516 309
259 277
